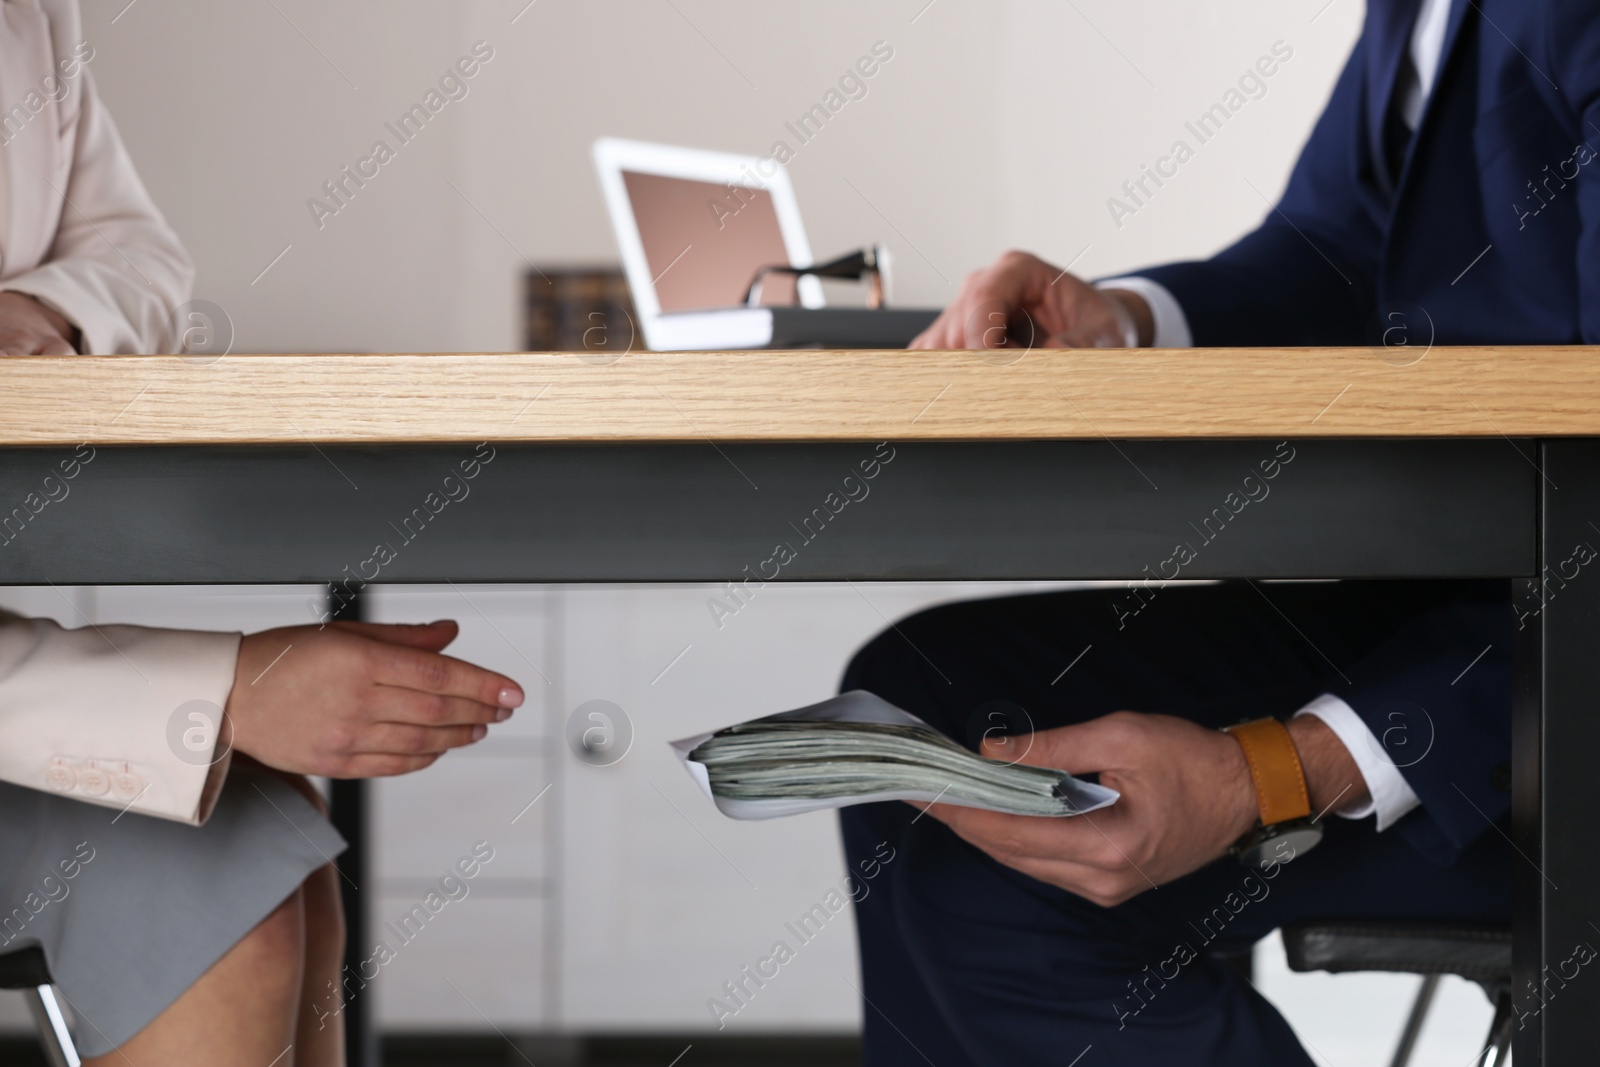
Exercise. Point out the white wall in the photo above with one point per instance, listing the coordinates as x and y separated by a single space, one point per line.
1091 91
997 124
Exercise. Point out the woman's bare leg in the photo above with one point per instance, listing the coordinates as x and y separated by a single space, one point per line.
240 1013
320 1030
266 1002
319 1023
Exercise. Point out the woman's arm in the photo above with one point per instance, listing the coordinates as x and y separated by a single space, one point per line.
85 713
146 719
116 271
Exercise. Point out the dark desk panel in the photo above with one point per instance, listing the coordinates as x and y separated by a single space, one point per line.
693 512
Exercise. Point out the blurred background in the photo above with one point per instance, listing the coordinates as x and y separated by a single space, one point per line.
997 124
619 901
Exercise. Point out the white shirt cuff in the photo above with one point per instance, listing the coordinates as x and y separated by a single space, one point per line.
1171 324
1391 795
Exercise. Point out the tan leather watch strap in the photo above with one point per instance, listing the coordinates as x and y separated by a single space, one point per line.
1275 767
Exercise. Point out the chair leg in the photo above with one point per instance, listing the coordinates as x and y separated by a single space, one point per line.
1419 1014
54 1037
1500 1030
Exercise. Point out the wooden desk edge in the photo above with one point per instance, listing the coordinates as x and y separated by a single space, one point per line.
383 398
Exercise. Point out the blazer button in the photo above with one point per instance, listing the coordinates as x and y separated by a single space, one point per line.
126 785
1500 778
93 781
60 777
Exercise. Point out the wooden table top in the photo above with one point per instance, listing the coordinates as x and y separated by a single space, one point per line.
800 396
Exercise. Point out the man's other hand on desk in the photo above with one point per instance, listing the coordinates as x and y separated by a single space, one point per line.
1023 302
29 328
1187 795
360 700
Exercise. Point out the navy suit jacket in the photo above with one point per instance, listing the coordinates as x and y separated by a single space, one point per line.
1487 231
1505 165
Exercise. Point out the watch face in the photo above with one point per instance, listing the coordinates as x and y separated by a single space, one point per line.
1280 844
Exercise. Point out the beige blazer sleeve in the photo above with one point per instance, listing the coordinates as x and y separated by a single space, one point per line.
116 715
124 716
84 236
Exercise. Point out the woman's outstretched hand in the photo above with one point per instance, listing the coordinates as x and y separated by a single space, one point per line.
359 699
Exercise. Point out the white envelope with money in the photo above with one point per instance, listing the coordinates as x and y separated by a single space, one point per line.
857 748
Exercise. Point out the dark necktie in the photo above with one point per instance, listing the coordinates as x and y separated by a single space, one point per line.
1396 134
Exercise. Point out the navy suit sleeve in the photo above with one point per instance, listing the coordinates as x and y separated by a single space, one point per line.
1449 733
1573 41
1444 719
1307 275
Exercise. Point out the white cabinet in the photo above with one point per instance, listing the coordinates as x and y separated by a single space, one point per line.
663 899
622 889
493 956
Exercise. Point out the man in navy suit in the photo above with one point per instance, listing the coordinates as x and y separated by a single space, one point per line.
1450 193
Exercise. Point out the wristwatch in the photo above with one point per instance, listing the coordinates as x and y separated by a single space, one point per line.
1285 828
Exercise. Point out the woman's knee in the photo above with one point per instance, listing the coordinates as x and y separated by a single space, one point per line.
324 916
274 949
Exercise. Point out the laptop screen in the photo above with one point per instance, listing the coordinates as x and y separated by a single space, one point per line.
704 242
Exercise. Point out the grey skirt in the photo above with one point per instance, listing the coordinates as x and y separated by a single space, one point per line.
130 909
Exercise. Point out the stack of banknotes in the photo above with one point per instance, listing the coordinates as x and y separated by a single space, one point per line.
769 760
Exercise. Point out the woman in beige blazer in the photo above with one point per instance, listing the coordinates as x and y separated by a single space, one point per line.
157 839
87 262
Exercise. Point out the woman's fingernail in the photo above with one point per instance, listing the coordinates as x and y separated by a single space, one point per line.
479 731
502 714
510 697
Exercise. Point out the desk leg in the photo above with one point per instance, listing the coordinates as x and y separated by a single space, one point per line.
348 810
1556 804
1527 766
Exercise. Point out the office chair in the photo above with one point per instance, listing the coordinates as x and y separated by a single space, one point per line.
25 969
1482 954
